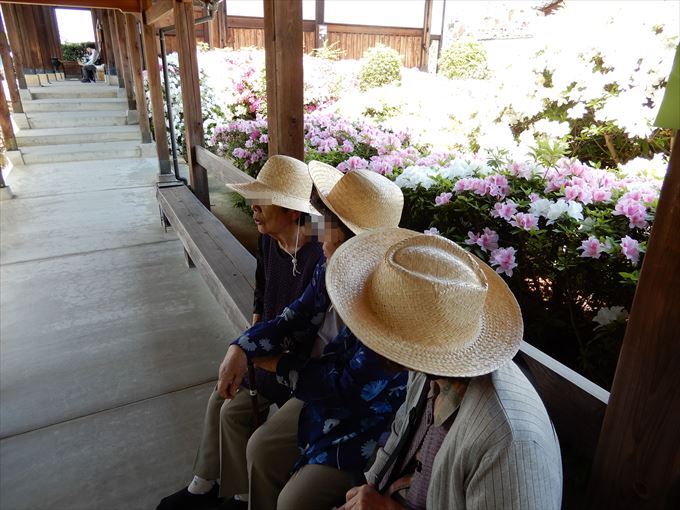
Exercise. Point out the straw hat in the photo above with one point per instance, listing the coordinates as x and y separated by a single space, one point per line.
283 181
362 199
424 302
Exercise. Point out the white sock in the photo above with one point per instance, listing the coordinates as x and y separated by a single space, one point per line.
200 485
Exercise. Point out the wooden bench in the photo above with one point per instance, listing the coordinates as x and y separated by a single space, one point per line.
575 404
226 266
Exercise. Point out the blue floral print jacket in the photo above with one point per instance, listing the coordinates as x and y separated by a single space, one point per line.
350 394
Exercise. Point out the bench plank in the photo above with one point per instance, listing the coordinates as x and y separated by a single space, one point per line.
226 266
576 405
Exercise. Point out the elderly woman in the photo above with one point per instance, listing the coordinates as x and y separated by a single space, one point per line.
287 256
344 399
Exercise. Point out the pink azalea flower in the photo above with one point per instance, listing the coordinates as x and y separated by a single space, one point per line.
520 170
505 210
356 162
527 221
592 248
630 249
347 146
497 185
629 207
487 241
432 231
504 258
443 198
601 195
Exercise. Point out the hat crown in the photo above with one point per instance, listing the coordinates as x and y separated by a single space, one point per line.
287 176
367 199
447 293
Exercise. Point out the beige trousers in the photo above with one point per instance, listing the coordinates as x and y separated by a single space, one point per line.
222 451
229 453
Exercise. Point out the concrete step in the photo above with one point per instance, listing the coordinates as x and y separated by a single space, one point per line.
76 135
75 104
87 90
80 152
77 119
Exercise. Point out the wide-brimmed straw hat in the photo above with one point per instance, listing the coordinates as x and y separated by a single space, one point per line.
361 199
424 302
283 181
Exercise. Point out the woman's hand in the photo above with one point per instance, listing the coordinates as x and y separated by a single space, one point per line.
232 371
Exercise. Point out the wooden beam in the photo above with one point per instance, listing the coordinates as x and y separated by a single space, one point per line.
368 29
123 5
191 96
124 59
156 11
10 75
283 57
425 43
13 33
6 121
115 44
157 107
134 51
637 464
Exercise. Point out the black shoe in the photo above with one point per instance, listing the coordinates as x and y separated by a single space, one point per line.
84 81
232 504
184 500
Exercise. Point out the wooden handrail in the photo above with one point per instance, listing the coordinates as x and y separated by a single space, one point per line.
224 168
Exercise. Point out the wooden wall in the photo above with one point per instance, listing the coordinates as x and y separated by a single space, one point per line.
36 35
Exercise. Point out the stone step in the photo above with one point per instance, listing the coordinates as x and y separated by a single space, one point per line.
75 119
80 152
84 90
76 135
75 104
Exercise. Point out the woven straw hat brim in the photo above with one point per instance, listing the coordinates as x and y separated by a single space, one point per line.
347 275
257 190
325 177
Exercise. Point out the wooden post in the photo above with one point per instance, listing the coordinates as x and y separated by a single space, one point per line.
134 52
115 44
425 45
319 20
191 95
6 121
110 61
637 462
157 108
125 60
283 57
8 66
8 11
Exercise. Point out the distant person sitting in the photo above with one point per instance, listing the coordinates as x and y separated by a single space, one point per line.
89 64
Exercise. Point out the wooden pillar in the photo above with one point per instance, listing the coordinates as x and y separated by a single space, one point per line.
134 52
191 95
125 60
115 44
10 75
637 462
283 57
157 107
319 20
9 13
425 43
110 59
6 121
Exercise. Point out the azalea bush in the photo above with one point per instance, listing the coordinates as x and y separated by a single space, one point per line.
568 238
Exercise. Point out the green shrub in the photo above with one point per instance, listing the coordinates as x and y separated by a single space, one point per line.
74 51
464 60
380 66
